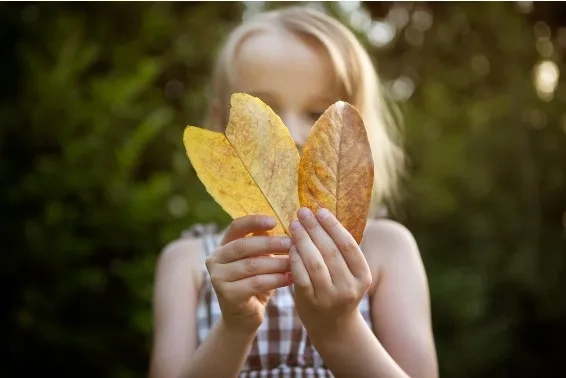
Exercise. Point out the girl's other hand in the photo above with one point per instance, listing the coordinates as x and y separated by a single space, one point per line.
244 272
330 272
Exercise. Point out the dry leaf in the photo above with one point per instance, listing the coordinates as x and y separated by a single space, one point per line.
336 168
252 169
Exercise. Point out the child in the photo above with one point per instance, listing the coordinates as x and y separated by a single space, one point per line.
225 306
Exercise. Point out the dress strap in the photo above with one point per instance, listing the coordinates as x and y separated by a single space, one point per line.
208 310
207 233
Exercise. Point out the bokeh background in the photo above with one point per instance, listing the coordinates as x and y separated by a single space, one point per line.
94 180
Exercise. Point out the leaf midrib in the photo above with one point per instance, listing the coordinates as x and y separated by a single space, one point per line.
259 186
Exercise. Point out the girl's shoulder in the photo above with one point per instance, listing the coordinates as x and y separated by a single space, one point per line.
188 252
389 232
388 243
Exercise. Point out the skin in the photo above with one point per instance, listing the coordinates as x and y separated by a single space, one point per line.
330 271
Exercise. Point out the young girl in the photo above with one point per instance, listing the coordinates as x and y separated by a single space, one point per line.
226 306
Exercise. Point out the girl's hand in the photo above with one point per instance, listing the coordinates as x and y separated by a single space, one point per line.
330 272
244 272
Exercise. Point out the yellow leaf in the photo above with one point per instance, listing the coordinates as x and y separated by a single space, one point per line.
336 168
252 168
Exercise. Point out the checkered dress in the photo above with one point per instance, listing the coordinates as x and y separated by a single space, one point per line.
281 347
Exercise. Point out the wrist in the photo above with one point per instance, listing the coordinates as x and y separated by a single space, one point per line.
237 332
340 334
352 350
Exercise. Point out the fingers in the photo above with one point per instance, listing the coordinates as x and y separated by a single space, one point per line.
255 285
299 271
252 246
252 266
248 224
346 243
339 271
311 257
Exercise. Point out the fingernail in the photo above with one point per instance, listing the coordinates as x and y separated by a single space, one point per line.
304 213
323 213
295 225
269 222
286 242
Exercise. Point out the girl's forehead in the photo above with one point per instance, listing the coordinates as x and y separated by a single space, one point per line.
281 59
279 45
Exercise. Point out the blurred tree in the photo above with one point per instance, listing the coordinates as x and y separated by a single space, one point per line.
94 179
94 175
487 180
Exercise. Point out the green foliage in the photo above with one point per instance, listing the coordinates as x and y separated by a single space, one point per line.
95 181
102 179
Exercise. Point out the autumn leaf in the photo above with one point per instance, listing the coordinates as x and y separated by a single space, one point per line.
252 167
336 168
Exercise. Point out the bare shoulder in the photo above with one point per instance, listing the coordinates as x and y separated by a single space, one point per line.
186 249
387 244
389 238
400 300
178 277
182 255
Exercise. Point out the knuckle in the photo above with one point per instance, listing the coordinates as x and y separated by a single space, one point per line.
315 265
231 249
240 246
349 245
256 283
366 280
333 222
349 296
273 243
332 251
311 224
251 266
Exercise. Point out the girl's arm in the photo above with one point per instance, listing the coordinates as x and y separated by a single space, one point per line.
354 351
221 355
400 306
243 272
331 276
175 353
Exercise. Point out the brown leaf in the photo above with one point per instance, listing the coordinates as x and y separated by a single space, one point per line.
336 168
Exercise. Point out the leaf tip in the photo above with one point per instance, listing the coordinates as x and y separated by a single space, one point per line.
189 131
239 98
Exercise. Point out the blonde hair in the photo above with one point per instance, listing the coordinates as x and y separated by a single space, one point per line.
353 68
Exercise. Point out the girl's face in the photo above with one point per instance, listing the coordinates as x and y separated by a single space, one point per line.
294 77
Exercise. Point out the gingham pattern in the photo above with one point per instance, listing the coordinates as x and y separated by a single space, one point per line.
281 347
